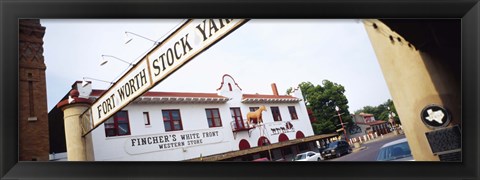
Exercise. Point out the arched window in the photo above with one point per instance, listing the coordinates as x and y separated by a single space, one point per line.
262 141
243 144
299 135
282 137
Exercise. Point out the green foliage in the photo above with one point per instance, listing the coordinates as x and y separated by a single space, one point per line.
381 111
322 127
322 99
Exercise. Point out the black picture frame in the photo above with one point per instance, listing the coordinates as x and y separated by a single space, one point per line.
467 10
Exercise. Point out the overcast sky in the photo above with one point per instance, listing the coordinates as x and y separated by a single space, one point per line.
261 52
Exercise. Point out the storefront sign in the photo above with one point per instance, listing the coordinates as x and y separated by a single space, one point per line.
168 141
189 40
276 129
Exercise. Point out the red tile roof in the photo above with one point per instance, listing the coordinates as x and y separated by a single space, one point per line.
365 114
247 96
97 92
373 123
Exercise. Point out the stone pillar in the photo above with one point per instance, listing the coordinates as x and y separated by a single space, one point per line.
415 79
76 145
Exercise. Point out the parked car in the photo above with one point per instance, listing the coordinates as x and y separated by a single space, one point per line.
262 159
322 148
397 150
336 149
308 156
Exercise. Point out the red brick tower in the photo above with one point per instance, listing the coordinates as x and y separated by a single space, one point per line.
33 112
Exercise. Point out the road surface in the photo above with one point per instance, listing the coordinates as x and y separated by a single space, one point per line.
369 153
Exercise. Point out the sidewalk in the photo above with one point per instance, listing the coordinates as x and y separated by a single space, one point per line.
389 135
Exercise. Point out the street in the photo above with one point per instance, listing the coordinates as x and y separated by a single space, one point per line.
370 151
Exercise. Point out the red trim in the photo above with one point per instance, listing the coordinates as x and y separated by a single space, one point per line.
237 118
372 123
251 96
223 79
116 125
172 126
365 115
276 113
293 112
282 137
299 135
261 140
243 144
213 117
76 100
97 92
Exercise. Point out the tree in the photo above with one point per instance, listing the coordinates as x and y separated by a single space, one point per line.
322 99
381 111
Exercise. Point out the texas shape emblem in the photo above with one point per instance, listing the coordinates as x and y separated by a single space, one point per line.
435 116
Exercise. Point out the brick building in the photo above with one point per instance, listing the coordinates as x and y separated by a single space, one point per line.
33 119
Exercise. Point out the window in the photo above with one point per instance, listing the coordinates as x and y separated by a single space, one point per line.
237 117
172 120
213 118
276 114
293 112
118 125
146 118
333 144
310 154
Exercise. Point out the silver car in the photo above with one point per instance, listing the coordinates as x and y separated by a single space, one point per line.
397 150
308 156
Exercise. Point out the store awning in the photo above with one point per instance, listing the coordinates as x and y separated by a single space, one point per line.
232 154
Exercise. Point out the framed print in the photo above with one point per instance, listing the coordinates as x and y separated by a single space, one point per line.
196 89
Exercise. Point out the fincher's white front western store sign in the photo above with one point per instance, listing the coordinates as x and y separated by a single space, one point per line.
168 141
189 40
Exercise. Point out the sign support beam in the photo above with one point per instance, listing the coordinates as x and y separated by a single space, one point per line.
189 40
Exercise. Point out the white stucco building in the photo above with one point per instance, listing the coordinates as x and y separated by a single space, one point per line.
176 126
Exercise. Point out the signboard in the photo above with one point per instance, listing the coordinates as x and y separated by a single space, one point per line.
445 140
189 40
168 141
435 116
279 128
129 87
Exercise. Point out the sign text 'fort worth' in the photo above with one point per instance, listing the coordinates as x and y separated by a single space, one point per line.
189 40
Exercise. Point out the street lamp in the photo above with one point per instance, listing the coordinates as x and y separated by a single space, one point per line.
128 38
391 115
343 127
104 61
85 82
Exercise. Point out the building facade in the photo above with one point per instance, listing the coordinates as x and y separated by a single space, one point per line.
33 119
366 124
177 126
